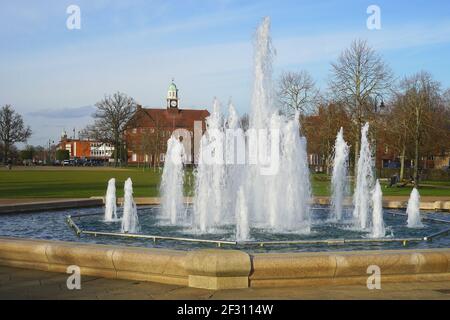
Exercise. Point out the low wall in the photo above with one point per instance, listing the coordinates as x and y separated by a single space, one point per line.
50 205
225 269
294 269
166 266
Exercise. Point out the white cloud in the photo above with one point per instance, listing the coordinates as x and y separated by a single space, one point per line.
64 113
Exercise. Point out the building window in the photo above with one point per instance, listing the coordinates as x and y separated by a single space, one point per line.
134 130
134 157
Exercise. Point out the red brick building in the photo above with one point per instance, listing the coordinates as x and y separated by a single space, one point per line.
149 129
85 149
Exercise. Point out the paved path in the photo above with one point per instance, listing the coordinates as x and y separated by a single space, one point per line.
31 284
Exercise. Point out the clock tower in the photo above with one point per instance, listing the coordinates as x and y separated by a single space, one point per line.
172 97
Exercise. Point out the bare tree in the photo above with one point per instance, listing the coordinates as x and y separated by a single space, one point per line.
321 128
359 74
146 145
297 92
152 143
422 100
112 115
397 128
12 130
446 100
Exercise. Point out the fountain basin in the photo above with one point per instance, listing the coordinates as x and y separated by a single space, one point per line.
225 269
325 235
47 243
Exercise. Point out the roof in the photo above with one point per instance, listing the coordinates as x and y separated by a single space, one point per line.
168 118
172 87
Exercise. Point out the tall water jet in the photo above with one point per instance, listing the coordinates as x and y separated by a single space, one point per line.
111 201
364 181
242 227
261 111
234 159
378 229
172 200
413 210
210 174
130 222
289 189
339 181
262 106
275 178
278 198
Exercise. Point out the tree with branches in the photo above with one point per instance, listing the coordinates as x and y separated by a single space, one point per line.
397 129
152 143
321 128
422 100
112 115
358 75
12 130
297 92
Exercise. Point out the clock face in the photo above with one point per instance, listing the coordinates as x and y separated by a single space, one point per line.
173 103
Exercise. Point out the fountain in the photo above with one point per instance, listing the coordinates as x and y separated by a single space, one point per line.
273 180
339 181
252 189
378 229
259 177
110 201
364 182
130 222
413 210
172 200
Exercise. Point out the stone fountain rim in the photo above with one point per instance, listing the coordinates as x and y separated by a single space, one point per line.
225 269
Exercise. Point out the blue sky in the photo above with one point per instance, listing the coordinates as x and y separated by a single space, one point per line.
53 75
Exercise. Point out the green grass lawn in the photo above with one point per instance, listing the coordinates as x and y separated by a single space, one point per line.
82 183
321 187
74 183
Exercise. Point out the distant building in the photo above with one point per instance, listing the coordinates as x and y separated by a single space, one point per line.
86 149
442 161
147 132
